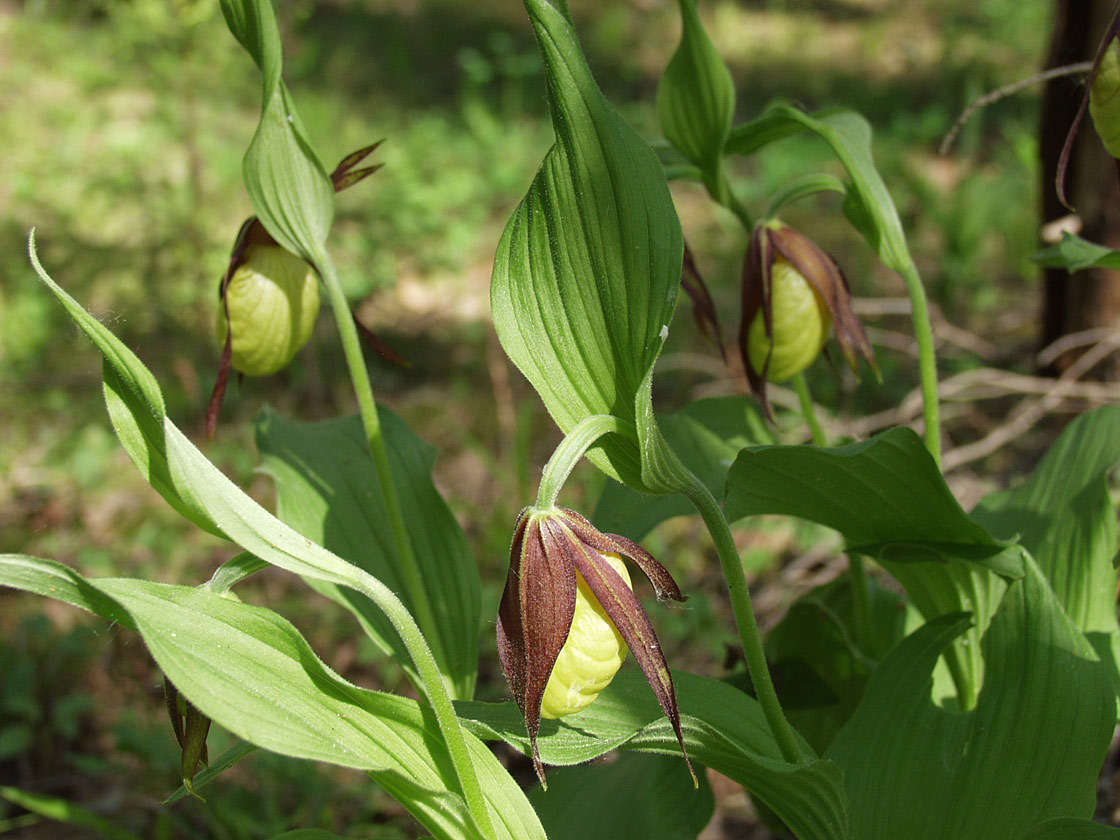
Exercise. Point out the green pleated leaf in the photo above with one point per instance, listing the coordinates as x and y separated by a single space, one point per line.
889 500
819 663
141 431
869 205
696 97
58 581
1029 751
885 495
196 484
723 729
588 267
1065 517
1072 829
1076 254
951 585
288 186
708 434
326 488
634 795
250 671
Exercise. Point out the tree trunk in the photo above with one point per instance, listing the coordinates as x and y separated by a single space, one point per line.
1087 299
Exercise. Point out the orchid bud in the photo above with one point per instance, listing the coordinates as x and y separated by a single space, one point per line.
800 323
793 293
272 300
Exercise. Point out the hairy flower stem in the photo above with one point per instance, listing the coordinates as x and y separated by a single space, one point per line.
371 423
419 634
749 634
567 454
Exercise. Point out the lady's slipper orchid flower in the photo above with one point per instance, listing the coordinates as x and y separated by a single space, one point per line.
555 666
274 297
793 294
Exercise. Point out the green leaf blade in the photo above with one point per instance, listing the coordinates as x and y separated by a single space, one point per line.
588 268
887 490
723 729
327 490
916 770
251 671
633 796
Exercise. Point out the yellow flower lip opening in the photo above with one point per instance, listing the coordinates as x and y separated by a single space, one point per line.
592 653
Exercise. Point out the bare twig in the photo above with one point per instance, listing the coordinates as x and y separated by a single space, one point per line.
1048 354
1005 91
1030 411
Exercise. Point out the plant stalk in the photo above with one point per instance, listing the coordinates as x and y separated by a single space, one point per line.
749 634
371 423
927 359
437 685
808 413
860 600
567 454
437 693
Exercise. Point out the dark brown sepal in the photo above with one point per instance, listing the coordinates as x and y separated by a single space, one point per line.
251 232
664 586
379 345
1113 31
626 613
345 175
703 307
535 615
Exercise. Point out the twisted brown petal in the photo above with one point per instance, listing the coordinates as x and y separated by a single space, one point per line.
756 297
625 611
822 272
664 586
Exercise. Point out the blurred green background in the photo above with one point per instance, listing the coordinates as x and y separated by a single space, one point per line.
122 126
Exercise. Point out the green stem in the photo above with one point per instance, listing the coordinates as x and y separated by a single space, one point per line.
861 601
959 672
435 689
719 188
436 684
807 411
371 423
564 459
927 359
749 634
